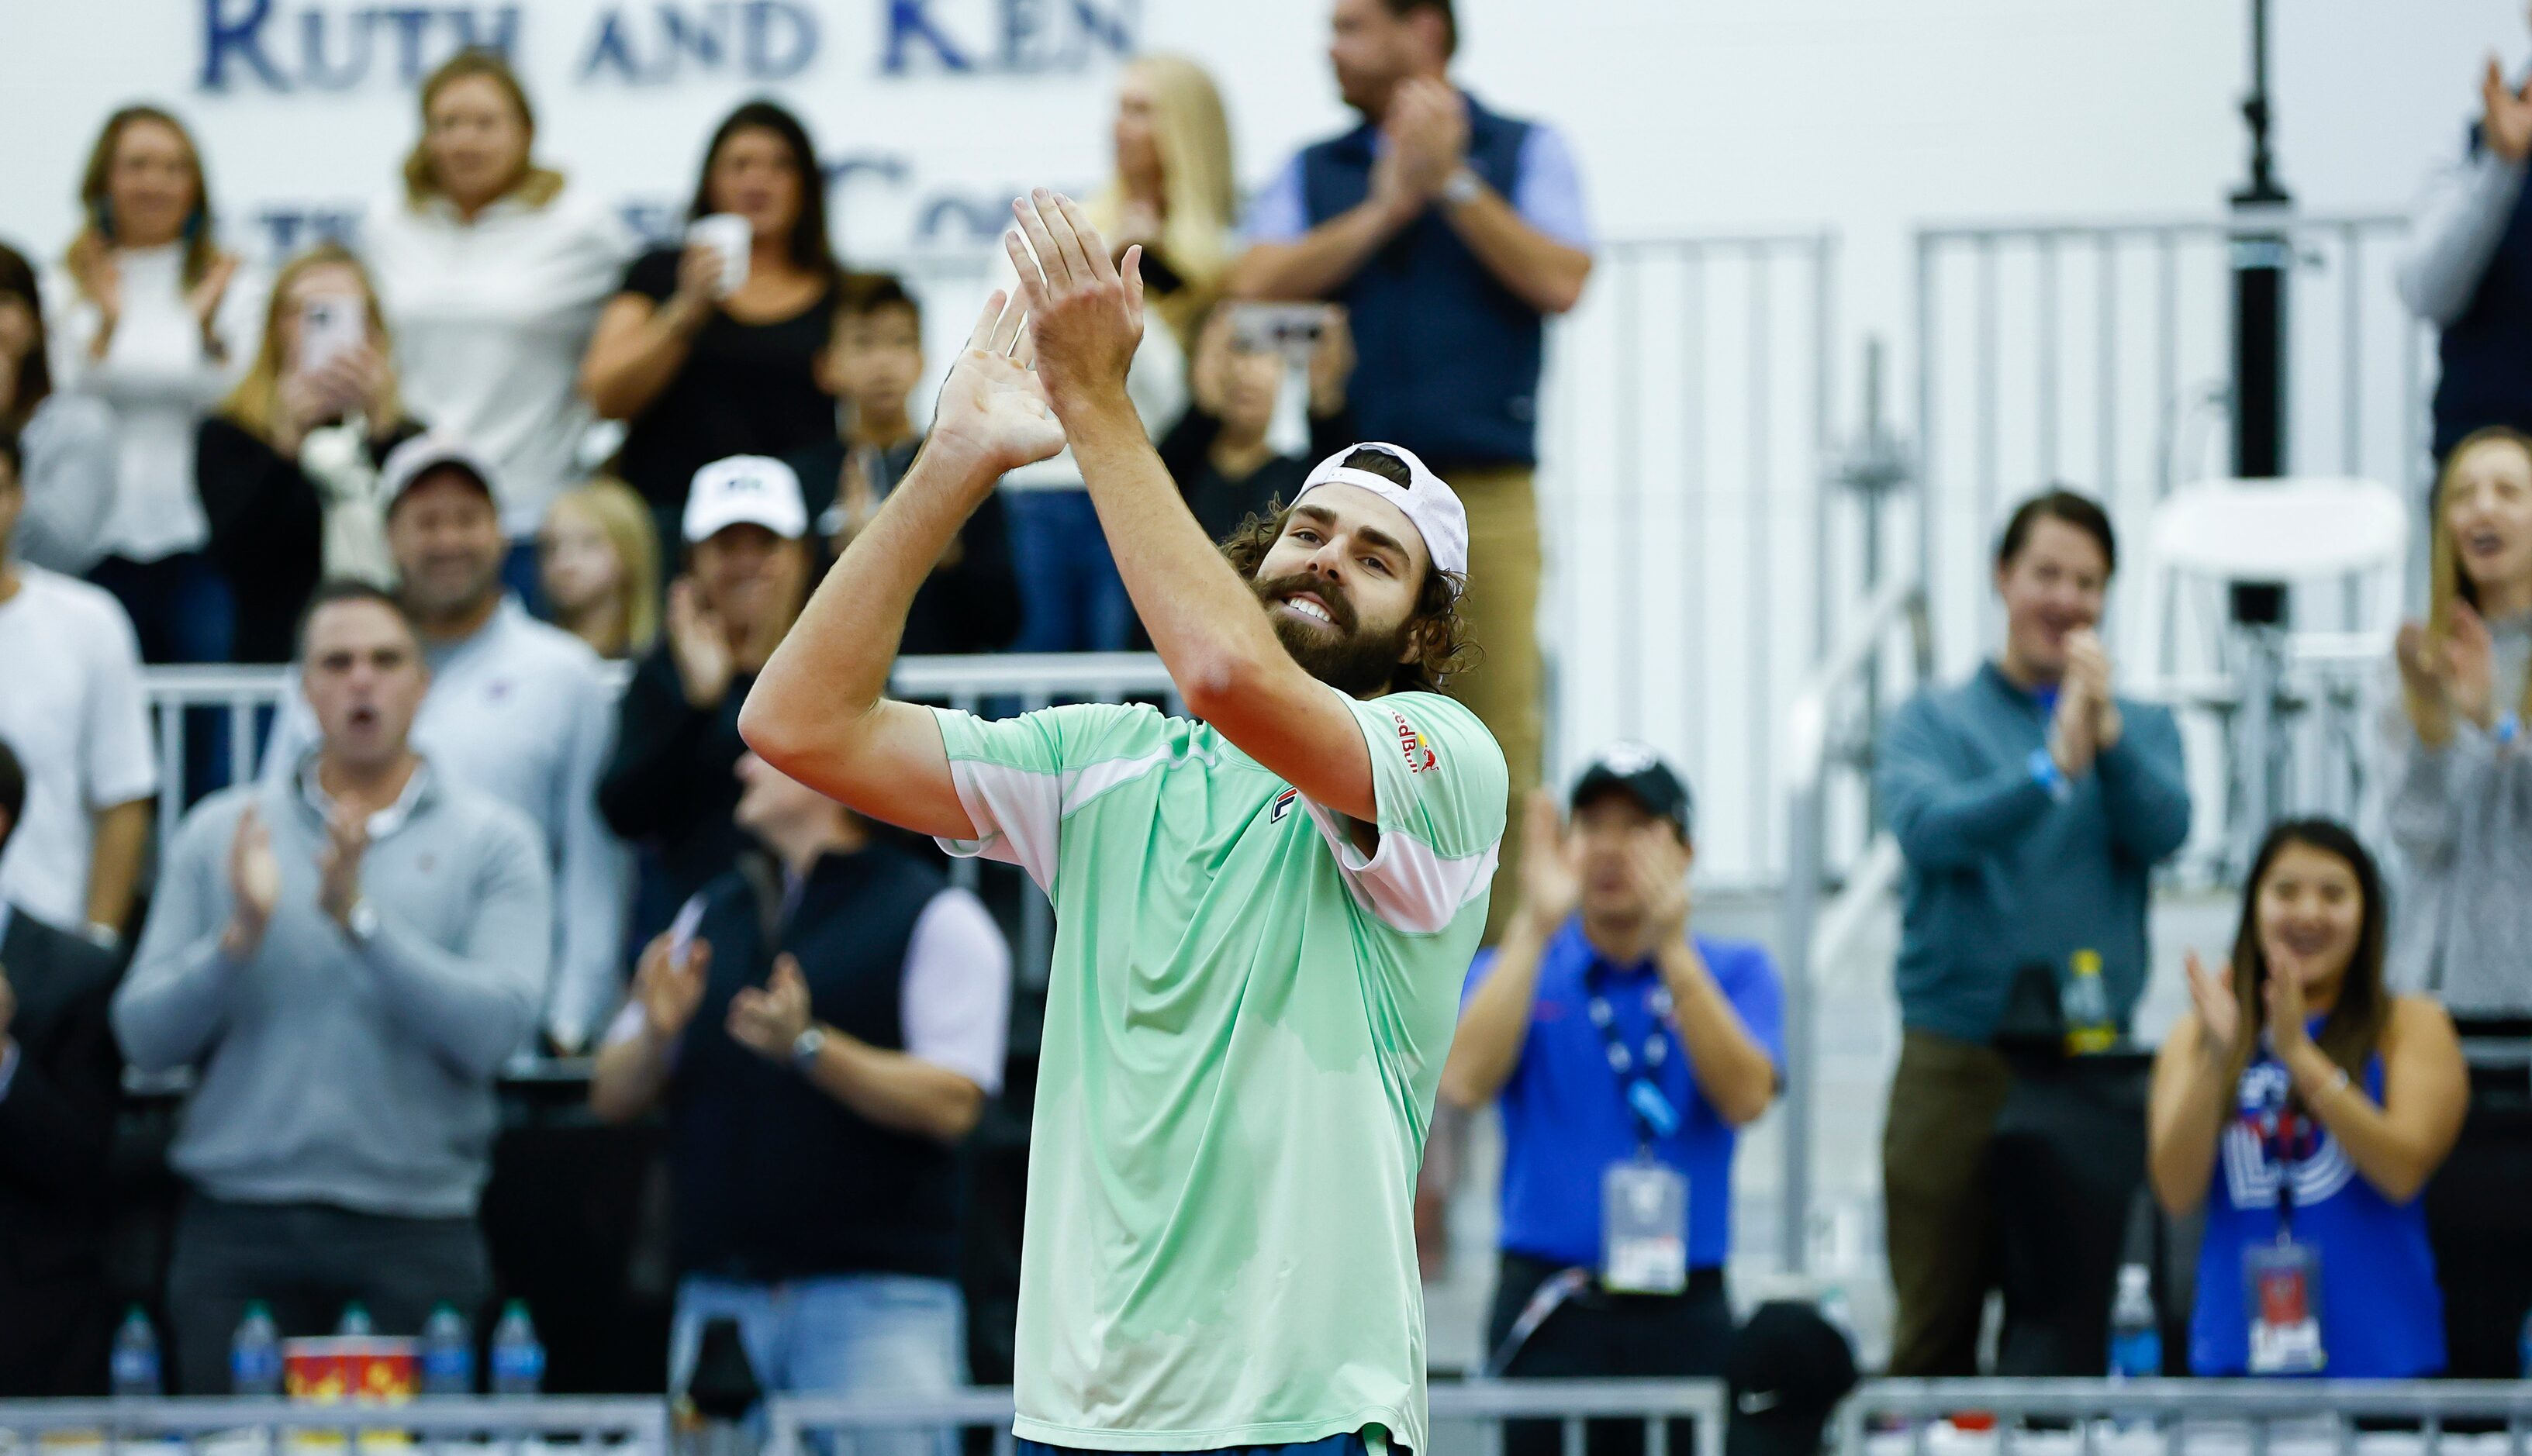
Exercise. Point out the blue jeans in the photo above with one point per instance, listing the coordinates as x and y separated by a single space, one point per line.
182 611
882 1335
1071 600
1334 1445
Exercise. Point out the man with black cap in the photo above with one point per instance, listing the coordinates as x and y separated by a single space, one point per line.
518 709
1626 1055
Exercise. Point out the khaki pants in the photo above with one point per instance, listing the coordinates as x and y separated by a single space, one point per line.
1503 690
1938 1207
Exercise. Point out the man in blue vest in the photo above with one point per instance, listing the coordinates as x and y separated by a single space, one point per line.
823 1026
1449 231
2468 269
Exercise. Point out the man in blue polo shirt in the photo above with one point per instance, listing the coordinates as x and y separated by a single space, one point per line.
1627 1053
1449 231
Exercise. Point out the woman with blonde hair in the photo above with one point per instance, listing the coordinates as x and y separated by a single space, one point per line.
288 468
491 269
598 557
150 320
2460 771
1173 191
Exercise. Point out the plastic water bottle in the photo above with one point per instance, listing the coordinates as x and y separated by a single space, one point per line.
518 1360
2087 1007
135 1367
447 1354
2136 1338
355 1320
255 1354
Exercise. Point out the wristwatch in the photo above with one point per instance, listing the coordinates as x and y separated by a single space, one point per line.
1462 187
805 1049
363 922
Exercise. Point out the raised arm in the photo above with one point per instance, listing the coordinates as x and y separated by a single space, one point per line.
1205 622
2456 225
819 711
1495 1014
641 342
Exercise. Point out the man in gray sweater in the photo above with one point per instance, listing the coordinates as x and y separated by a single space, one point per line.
345 956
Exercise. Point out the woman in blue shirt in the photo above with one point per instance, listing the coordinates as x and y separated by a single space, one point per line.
2306 1106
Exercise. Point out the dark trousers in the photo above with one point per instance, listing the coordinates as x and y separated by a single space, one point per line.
54 1338
182 611
306 1261
1071 600
1598 1335
1937 1202
2475 1214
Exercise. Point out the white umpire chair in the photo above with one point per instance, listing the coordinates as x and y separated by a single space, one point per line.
2261 682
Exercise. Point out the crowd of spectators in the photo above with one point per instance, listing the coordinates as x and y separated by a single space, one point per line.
508 756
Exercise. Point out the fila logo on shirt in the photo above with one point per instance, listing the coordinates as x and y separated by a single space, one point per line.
1283 806
1420 753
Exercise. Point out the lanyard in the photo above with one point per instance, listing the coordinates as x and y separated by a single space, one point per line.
2291 1137
1653 1114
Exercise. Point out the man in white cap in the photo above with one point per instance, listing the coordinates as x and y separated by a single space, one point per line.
1263 917
673 786
518 709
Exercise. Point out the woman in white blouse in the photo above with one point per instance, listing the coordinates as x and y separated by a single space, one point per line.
491 274
152 322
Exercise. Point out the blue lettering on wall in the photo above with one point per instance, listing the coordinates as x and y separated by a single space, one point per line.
761 40
339 46
910 20
1026 37
289 230
326 74
230 37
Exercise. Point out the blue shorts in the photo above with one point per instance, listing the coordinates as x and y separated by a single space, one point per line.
1334 1445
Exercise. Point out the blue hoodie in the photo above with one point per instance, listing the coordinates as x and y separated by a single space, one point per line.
2005 869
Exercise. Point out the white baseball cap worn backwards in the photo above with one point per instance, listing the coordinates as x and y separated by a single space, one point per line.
1430 503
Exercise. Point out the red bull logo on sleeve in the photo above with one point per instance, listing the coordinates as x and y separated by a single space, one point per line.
1412 743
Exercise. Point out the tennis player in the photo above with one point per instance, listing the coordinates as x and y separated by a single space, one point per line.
1263 917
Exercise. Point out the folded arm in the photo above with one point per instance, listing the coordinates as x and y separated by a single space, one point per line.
1941 819
2145 786
475 1003
173 1003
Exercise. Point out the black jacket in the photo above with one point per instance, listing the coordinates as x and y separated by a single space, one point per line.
267 530
972 604
672 784
56 1136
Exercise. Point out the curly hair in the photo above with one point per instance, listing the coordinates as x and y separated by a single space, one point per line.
1444 648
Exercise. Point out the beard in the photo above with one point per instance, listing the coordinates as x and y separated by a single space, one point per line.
1345 656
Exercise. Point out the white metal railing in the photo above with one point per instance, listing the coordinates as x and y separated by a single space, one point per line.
632 1425
1463 1408
2099 353
1684 448
2170 1417
1831 732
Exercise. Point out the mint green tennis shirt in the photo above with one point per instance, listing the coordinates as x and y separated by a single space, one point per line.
1245 1025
